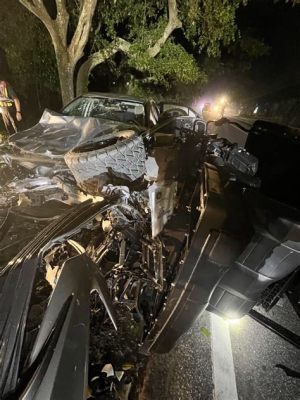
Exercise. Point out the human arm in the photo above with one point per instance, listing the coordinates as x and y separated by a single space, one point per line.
18 108
14 97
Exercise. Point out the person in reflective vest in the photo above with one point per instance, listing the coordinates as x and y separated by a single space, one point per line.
8 98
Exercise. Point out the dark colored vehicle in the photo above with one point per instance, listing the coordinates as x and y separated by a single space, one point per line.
150 227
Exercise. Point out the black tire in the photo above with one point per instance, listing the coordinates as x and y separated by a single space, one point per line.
124 159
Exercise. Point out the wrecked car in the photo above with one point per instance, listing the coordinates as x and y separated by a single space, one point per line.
151 226
63 141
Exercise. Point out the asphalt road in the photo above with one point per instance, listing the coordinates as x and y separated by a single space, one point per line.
234 362
233 133
228 361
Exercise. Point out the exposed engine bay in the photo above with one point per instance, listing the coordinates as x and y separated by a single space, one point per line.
116 249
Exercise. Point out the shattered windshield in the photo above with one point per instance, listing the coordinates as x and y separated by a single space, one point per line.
107 108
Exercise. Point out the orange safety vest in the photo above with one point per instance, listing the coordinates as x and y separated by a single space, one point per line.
5 94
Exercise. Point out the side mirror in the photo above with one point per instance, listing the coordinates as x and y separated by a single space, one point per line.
199 127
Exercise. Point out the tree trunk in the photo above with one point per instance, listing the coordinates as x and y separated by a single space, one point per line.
97 58
83 79
67 56
65 68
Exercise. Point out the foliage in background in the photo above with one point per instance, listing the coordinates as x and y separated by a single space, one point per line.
28 50
206 27
210 24
123 36
172 65
160 38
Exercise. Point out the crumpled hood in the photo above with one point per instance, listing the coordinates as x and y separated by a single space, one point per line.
55 134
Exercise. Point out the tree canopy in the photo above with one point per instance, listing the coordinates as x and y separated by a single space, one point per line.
158 37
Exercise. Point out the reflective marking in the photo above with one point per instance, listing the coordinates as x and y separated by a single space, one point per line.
222 361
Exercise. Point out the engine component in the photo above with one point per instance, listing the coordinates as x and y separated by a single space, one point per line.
161 203
241 160
233 155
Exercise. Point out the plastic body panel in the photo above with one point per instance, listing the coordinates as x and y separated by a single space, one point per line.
241 245
211 254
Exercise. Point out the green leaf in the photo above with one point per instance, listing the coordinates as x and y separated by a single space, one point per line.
205 331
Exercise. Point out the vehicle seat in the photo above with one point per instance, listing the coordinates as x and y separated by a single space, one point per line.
271 254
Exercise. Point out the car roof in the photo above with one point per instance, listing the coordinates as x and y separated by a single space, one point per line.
115 96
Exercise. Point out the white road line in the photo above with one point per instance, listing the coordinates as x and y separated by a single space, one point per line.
222 361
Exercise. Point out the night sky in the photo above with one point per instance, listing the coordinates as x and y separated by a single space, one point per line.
279 26
273 76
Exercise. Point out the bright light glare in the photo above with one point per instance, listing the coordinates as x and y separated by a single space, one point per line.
233 321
